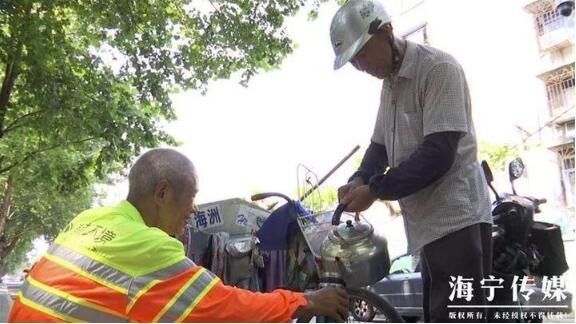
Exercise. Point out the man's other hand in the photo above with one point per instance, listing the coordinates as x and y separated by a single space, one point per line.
329 302
358 199
345 189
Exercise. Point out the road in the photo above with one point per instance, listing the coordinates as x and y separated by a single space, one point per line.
5 303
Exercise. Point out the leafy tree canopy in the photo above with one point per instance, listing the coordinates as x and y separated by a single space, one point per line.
85 86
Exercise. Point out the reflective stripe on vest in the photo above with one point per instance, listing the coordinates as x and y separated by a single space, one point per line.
179 306
144 283
110 277
63 305
187 297
92 269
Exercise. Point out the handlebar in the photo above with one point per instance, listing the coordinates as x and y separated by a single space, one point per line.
337 214
541 201
265 195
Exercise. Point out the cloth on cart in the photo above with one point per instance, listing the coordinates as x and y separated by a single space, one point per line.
217 246
234 259
275 237
282 224
243 262
196 246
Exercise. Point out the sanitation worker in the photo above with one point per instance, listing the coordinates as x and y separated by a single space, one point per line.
121 263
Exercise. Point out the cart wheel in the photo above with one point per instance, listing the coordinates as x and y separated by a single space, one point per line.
361 310
366 306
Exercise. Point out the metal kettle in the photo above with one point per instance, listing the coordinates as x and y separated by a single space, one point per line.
353 252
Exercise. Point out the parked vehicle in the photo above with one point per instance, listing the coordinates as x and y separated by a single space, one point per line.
402 288
13 288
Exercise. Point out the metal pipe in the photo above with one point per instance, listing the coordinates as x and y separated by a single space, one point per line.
305 195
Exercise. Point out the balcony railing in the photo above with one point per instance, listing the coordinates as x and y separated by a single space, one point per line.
550 21
554 29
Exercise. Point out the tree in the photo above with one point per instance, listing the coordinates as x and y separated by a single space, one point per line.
90 81
496 154
60 92
38 204
321 199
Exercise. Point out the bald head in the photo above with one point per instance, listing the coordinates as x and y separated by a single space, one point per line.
163 185
157 165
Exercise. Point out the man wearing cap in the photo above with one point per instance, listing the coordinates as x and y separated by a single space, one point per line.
423 153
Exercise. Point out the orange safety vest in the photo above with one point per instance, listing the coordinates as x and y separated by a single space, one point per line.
108 266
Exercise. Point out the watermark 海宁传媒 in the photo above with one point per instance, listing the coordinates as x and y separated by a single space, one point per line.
553 288
525 300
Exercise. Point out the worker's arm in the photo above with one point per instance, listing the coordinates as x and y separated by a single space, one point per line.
428 163
229 304
375 160
433 158
197 295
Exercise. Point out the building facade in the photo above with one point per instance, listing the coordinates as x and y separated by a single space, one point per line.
555 36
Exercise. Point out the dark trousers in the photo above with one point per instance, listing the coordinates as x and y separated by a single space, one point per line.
466 253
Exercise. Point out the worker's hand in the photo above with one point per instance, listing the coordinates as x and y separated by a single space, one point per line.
342 191
358 199
330 302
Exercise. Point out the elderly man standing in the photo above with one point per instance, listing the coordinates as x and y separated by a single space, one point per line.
120 264
422 153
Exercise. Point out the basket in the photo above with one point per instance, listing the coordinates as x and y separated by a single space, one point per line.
315 228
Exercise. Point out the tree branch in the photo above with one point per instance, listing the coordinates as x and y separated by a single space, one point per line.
42 150
6 247
13 125
214 6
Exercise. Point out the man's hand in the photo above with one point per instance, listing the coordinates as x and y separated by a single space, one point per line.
342 191
358 199
330 302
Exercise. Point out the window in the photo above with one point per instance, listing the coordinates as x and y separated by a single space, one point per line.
567 156
566 130
560 95
418 35
549 21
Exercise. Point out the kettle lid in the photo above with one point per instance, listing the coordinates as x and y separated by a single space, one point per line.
351 232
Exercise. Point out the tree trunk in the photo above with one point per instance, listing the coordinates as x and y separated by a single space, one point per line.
10 76
5 250
6 202
5 214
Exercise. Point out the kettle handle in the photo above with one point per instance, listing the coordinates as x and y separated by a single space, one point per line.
337 214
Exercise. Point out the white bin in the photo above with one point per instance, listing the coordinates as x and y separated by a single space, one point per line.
234 216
